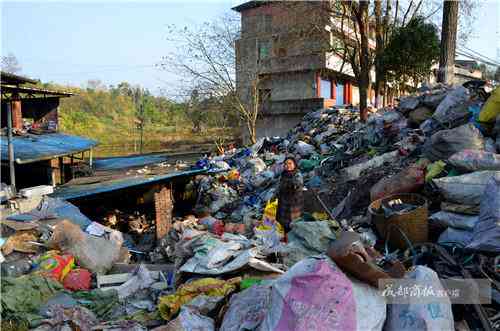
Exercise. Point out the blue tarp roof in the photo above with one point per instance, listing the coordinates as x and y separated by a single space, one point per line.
122 162
74 191
31 148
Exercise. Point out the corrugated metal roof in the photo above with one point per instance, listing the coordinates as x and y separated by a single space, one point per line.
68 192
249 5
33 90
122 162
9 78
32 148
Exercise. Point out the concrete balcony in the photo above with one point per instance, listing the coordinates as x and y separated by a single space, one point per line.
293 107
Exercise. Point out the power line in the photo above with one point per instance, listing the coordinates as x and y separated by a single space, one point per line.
476 58
479 54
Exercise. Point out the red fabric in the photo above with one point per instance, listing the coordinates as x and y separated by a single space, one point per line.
77 280
218 228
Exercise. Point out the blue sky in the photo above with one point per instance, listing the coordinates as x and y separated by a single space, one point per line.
71 42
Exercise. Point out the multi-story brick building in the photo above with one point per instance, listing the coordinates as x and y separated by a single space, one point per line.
289 45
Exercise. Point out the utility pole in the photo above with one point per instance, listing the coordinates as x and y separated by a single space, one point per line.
448 42
10 148
142 124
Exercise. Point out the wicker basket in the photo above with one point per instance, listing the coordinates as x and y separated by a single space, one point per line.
413 223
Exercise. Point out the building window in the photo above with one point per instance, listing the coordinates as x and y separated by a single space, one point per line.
264 50
326 89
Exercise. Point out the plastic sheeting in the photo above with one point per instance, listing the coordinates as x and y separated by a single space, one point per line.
475 160
413 315
304 149
54 208
31 148
190 319
445 143
486 234
448 107
247 309
307 239
457 221
465 189
215 257
316 295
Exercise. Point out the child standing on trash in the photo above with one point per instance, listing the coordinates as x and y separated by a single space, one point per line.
290 194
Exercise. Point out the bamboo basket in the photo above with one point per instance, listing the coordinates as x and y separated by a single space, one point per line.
413 223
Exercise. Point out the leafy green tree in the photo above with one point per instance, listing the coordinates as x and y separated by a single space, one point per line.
411 52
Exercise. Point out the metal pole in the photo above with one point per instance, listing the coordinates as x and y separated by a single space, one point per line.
90 158
11 149
142 124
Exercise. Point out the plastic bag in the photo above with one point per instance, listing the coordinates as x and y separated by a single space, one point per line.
141 279
409 103
489 145
262 179
269 231
54 208
247 309
445 143
419 115
486 234
269 216
169 305
465 189
474 160
454 237
407 181
458 221
313 235
78 280
93 253
354 171
434 169
304 149
491 108
435 315
189 319
55 266
213 225
446 109
316 295
269 236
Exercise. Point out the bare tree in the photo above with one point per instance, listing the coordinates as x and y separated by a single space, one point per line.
10 64
205 58
448 41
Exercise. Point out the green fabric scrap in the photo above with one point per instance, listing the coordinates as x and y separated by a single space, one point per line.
23 296
249 282
434 169
102 303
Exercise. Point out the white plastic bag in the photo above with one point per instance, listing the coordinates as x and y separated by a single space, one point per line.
434 315
304 149
457 221
475 160
486 234
453 99
465 189
316 295
247 309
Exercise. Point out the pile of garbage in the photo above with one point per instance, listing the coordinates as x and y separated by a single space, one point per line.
409 199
